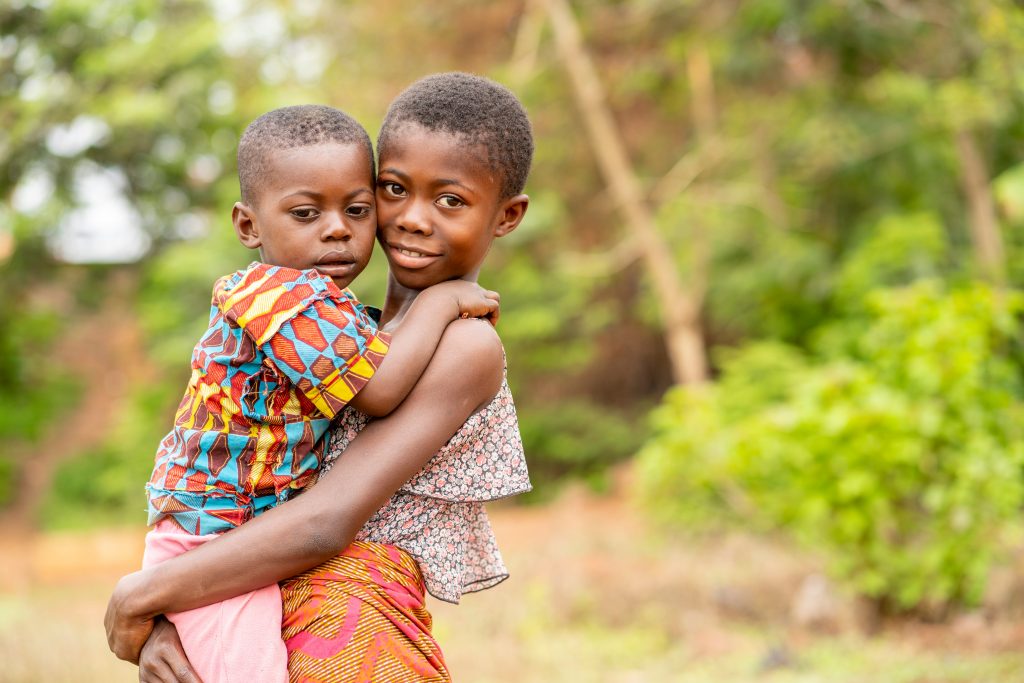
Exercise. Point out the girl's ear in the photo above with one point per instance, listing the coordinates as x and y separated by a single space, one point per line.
512 212
244 220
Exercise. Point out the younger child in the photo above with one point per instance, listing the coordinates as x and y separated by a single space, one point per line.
287 347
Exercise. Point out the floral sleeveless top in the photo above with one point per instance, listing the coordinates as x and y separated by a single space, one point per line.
438 516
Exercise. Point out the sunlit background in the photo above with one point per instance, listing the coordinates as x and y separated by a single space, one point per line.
763 319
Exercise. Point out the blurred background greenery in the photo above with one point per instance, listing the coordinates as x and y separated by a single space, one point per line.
771 273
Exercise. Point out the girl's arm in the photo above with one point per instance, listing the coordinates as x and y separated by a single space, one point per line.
463 376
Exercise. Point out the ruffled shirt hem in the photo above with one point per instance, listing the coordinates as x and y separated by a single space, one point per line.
438 516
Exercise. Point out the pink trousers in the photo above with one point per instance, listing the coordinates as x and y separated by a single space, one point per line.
234 641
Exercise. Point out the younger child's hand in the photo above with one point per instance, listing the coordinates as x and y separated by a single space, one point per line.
472 300
163 659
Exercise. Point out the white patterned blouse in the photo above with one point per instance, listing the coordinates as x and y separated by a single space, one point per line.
438 516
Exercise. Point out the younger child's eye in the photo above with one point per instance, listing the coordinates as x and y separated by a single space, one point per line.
304 213
393 188
450 201
359 211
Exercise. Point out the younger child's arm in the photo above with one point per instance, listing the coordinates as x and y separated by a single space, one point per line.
414 341
328 349
462 377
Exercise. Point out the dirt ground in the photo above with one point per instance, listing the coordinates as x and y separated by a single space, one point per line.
596 595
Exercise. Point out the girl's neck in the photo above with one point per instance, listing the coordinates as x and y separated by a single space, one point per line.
398 300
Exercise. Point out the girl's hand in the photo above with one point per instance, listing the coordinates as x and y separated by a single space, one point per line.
163 659
127 630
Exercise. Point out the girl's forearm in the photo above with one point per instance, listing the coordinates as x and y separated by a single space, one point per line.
285 541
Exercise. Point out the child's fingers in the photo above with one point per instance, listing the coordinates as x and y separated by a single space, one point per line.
163 658
493 313
485 307
166 674
163 670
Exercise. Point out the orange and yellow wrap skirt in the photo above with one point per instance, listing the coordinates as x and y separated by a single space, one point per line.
360 618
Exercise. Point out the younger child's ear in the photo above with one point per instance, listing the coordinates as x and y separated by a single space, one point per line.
245 225
513 211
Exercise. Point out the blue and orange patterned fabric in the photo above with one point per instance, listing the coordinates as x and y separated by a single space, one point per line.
284 352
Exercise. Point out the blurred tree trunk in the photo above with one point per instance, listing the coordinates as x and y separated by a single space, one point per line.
679 306
981 218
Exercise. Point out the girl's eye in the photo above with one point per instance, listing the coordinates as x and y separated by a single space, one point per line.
304 213
359 211
393 188
450 201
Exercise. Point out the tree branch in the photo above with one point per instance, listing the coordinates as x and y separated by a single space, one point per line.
679 307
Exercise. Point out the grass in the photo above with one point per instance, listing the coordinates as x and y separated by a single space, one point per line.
596 597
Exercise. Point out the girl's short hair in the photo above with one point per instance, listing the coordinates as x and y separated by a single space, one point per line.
475 109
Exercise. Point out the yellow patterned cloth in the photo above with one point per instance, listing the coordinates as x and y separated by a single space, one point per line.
361 618
284 352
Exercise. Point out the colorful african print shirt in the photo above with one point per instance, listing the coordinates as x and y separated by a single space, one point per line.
284 352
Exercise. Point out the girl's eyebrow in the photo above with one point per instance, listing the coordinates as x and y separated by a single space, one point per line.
439 181
394 171
456 183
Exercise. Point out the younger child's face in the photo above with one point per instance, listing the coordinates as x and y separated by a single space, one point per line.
439 207
315 209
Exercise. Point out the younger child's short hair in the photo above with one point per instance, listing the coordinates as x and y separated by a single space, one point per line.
289 127
478 109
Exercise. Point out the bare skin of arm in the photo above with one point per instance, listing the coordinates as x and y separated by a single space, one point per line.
464 375
415 340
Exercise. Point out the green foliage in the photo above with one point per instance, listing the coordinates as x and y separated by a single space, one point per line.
126 86
575 439
901 458
826 168
687 466
105 485
899 248
174 299
8 478
34 390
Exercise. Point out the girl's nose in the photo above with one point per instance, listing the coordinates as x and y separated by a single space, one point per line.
415 219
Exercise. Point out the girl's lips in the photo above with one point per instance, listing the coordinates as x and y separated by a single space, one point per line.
409 258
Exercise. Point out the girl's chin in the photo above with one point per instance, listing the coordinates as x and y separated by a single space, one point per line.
419 280
412 280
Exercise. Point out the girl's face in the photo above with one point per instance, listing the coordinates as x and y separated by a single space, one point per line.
439 207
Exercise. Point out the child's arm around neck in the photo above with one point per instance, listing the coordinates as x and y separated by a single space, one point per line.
414 341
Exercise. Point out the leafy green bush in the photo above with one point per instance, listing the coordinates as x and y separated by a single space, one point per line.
575 439
900 459
899 248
